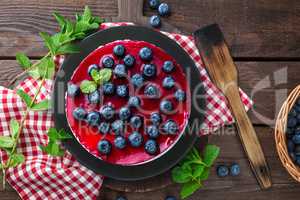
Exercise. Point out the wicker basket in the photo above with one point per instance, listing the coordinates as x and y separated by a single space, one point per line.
280 136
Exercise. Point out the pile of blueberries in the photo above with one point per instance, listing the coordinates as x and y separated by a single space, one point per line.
293 133
163 10
233 170
167 198
108 120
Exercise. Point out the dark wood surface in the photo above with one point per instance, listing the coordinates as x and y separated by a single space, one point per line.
263 37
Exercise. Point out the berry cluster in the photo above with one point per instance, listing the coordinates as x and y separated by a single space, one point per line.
163 10
233 170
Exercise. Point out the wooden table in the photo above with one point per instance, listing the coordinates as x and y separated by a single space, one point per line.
264 38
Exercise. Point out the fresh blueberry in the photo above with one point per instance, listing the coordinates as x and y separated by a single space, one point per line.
296 139
180 95
149 70
121 198
168 82
170 127
108 88
292 122
154 4
108 62
104 147
296 130
79 113
170 198
297 150
222 171
235 170
120 142
155 21
290 145
152 91
129 60
91 68
73 90
122 90
166 106
146 54
137 80
120 71
168 66
119 50
134 101
118 127
124 113
289 132
104 128
152 131
164 9
135 139
151 147
107 112
136 122
155 118
93 118
297 108
94 97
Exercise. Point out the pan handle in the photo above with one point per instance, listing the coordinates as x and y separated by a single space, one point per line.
130 10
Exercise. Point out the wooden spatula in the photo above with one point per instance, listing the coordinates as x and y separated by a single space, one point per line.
222 70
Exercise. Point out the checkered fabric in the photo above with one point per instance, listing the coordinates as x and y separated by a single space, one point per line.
45 177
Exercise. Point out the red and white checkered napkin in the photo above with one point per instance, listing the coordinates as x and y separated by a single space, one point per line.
45 177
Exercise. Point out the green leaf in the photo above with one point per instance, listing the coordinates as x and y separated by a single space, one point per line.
88 87
14 128
205 174
47 68
62 135
87 14
34 73
60 19
16 159
23 60
105 75
6 142
68 49
25 97
1 166
210 154
198 171
52 149
43 105
180 175
48 42
95 74
189 188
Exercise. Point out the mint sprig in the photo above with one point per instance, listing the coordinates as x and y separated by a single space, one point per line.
194 169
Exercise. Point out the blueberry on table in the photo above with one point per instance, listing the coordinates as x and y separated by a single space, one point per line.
129 60
166 106
292 122
170 127
136 122
155 21
152 91
120 71
155 118
135 139
152 131
137 80
108 62
119 50
153 4
290 145
122 90
168 82
168 66
151 147
93 118
164 9
121 198
170 198
94 97
134 102
118 127
104 147
124 113
146 54
79 113
104 128
222 171
91 68
235 170
73 90
120 142
149 70
108 88
180 95
107 112
296 139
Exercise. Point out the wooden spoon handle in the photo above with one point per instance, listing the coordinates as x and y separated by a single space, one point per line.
248 137
130 10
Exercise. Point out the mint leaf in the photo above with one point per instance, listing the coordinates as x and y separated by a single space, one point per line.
211 153
47 67
49 43
205 174
23 60
87 14
88 87
16 159
189 188
105 75
62 135
34 73
25 97
198 171
52 149
61 20
180 175
6 142
55 135
95 74
68 49
43 105
14 128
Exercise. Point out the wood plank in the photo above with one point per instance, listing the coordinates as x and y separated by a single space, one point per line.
252 28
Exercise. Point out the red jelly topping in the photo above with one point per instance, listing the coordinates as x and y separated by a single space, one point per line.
89 137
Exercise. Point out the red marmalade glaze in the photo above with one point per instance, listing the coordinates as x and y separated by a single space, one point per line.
89 137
